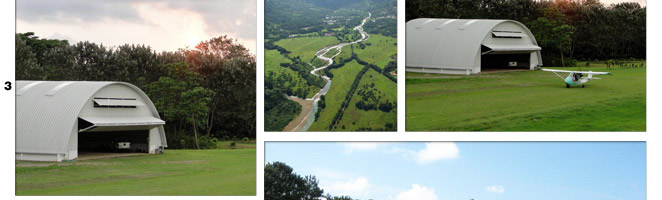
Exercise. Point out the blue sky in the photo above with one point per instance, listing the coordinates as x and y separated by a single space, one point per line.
466 170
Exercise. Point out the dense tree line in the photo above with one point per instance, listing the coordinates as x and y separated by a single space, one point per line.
321 104
269 45
573 29
281 183
207 91
348 98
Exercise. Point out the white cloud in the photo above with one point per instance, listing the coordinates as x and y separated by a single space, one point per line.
417 192
495 189
435 151
329 174
351 187
360 146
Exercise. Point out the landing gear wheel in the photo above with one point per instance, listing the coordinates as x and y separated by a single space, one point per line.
583 86
567 85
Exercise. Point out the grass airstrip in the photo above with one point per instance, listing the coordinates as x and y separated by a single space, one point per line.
176 172
526 101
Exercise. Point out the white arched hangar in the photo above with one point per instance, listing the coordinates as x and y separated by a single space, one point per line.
460 46
60 120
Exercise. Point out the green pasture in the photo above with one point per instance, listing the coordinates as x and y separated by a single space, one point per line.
526 101
306 47
331 52
345 54
355 118
177 172
380 51
343 78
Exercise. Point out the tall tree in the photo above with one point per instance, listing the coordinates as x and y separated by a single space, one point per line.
281 183
552 31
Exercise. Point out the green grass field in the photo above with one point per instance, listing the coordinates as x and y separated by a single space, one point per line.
379 52
177 172
526 101
272 60
345 54
331 53
343 78
305 47
355 118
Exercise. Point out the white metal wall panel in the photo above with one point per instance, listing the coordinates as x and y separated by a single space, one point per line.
46 115
454 44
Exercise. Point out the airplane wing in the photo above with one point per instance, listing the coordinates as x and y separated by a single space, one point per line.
594 73
556 70
578 72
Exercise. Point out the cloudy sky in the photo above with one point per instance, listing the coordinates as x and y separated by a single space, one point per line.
471 170
163 25
608 2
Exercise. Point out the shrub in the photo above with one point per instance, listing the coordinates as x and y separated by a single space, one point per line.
245 139
569 62
182 140
233 144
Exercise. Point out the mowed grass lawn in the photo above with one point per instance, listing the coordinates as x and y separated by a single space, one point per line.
526 101
306 47
343 78
355 118
177 172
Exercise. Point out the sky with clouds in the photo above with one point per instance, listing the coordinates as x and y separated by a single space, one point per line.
471 170
163 25
609 2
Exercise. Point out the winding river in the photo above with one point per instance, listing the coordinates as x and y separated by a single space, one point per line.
302 124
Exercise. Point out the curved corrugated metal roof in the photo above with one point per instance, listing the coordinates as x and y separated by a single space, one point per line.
448 43
46 112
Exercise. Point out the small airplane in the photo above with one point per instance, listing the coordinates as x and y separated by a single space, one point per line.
576 77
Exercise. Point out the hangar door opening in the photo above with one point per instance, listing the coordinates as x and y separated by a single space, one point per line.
115 134
114 141
494 58
506 50
505 61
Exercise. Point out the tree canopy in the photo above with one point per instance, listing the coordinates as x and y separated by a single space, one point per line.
210 88
281 183
575 29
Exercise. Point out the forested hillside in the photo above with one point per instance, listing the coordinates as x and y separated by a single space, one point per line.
286 17
574 30
208 91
